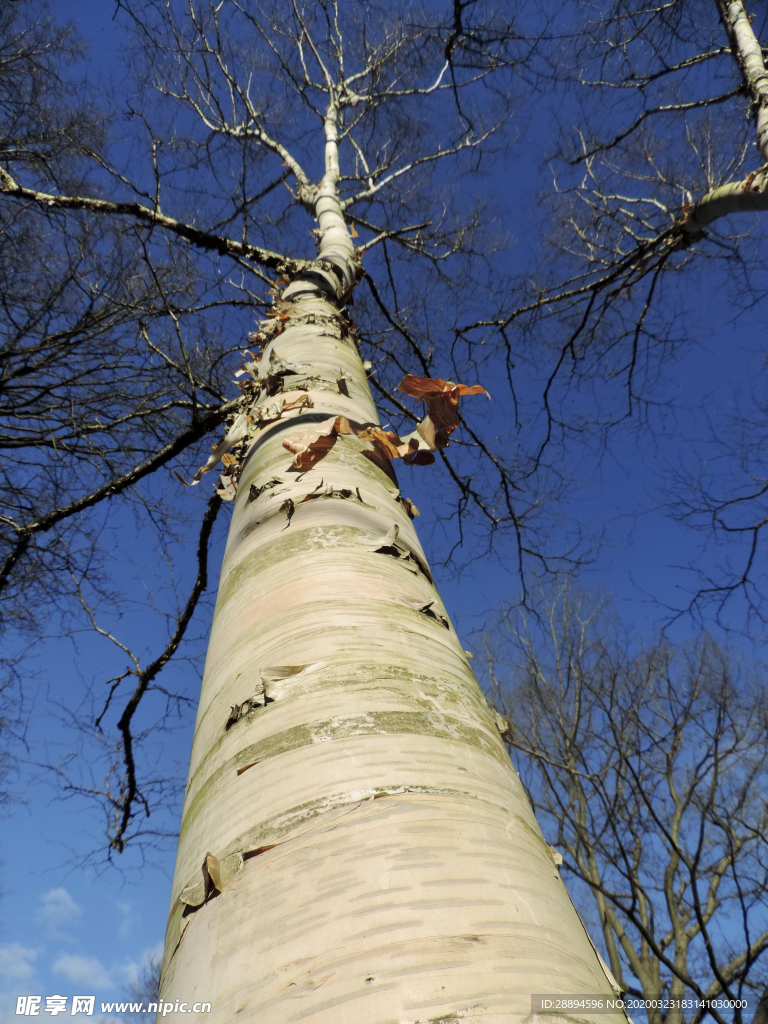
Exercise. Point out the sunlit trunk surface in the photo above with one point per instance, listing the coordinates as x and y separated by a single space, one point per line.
356 847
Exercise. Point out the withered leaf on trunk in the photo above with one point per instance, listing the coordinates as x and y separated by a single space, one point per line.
308 448
289 507
238 711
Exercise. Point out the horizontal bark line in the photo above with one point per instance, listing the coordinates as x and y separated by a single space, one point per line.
350 671
297 542
434 725
417 887
278 828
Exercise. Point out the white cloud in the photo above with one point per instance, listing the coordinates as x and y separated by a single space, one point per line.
83 970
132 970
8 1008
56 909
153 953
16 961
129 920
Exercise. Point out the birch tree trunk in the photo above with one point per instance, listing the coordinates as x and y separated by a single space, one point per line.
356 846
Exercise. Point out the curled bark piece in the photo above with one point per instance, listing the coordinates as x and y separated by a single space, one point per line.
429 610
212 871
408 505
389 545
255 492
260 700
442 398
244 429
249 366
426 387
216 876
199 893
324 490
420 457
388 541
227 487
388 442
557 857
502 723
309 447
269 413
236 433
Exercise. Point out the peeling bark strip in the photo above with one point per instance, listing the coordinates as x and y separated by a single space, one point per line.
356 849
442 398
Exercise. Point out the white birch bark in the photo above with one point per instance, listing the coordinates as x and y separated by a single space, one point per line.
359 849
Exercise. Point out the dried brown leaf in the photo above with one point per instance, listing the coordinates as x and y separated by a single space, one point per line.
309 447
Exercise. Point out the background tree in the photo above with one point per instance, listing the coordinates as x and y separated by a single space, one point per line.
658 198
146 987
647 766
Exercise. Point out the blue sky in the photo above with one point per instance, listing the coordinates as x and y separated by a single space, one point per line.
67 926
82 936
